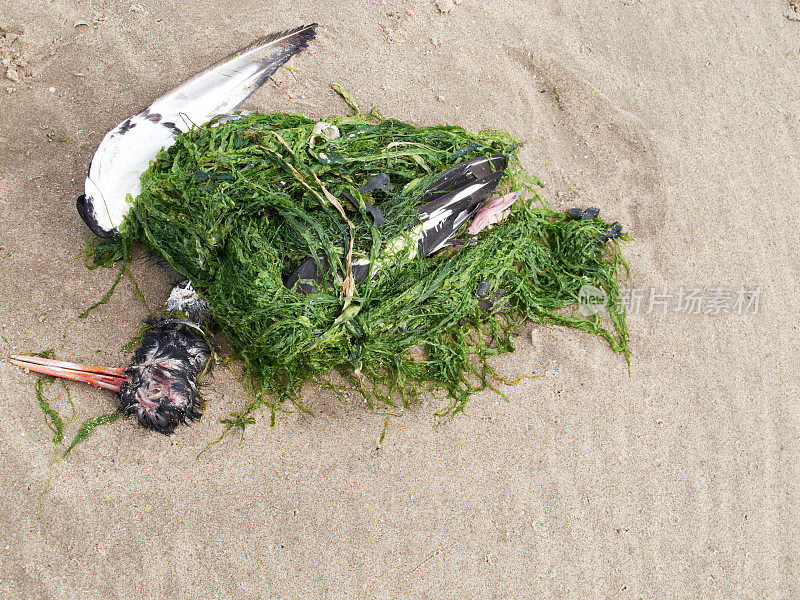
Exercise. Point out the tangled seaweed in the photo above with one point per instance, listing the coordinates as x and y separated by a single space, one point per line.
235 207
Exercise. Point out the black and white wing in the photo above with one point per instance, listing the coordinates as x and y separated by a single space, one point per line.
224 86
448 202
126 151
454 197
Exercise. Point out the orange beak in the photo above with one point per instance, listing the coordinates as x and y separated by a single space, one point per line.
105 377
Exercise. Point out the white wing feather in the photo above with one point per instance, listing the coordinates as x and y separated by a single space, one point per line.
222 87
126 151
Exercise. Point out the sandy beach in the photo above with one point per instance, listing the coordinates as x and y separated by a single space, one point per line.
676 480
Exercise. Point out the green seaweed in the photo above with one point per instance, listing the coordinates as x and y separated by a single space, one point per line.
236 207
89 426
125 270
52 418
351 102
107 296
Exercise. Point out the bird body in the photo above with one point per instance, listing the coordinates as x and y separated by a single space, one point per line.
446 204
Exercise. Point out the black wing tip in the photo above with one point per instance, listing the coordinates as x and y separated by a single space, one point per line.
303 35
308 30
311 28
298 37
288 43
462 174
86 212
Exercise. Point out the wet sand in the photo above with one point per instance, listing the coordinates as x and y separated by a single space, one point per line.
679 480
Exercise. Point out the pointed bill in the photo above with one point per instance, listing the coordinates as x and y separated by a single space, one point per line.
109 378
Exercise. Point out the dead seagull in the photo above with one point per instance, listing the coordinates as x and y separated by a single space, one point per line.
126 151
160 385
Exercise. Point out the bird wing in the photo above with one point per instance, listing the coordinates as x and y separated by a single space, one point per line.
126 151
441 218
454 197
223 86
117 166
461 174
447 202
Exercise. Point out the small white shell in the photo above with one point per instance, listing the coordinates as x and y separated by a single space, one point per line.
326 130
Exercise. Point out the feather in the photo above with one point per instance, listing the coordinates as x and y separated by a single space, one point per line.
225 85
448 202
126 151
